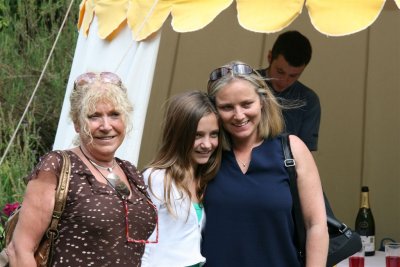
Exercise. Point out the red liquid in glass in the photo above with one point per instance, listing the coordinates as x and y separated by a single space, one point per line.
392 261
355 261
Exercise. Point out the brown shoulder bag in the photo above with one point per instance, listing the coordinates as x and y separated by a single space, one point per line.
44 252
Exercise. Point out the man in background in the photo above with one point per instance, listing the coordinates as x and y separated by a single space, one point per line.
288 58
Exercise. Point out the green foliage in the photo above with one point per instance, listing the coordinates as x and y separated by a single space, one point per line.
20 159
4 17
26 44
27 32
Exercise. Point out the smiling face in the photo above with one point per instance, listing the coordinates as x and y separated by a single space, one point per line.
107 129
283 74
239 107
206 140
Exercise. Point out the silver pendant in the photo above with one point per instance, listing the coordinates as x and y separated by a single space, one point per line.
118 184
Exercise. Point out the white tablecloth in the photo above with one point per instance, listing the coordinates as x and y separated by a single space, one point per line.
378 260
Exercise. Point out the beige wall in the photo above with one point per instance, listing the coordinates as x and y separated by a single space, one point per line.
357 78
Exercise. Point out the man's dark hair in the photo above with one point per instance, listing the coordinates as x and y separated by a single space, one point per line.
294 47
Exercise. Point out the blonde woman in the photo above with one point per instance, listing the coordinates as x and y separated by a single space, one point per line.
108 215
248 203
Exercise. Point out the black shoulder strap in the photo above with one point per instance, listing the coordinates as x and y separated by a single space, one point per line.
290 163
332 221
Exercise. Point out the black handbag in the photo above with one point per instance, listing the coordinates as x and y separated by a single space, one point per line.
343 242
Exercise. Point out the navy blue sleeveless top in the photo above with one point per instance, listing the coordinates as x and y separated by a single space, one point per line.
249 221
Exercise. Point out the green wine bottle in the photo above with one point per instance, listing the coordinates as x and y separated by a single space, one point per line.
365 225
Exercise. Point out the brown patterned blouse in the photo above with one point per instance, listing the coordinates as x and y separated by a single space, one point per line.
92 226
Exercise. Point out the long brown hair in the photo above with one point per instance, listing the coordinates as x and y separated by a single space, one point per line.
179 129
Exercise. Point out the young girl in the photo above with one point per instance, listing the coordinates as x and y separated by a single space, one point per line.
189 157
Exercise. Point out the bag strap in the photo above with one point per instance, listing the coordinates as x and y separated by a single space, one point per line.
62 190
332 221
290 164
60 200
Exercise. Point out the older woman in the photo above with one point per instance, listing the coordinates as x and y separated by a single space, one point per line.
249 204
108 215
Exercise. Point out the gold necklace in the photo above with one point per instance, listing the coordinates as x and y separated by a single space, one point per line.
241 162
244 165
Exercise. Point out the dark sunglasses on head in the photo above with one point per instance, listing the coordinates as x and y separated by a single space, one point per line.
234 69
91 77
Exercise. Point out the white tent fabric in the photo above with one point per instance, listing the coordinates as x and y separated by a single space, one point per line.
133 61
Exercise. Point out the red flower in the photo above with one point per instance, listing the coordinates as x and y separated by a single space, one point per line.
9 208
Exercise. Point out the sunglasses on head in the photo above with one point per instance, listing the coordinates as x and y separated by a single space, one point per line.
239 68
91 77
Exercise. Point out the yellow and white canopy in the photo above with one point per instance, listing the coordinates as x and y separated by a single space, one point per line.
144 17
